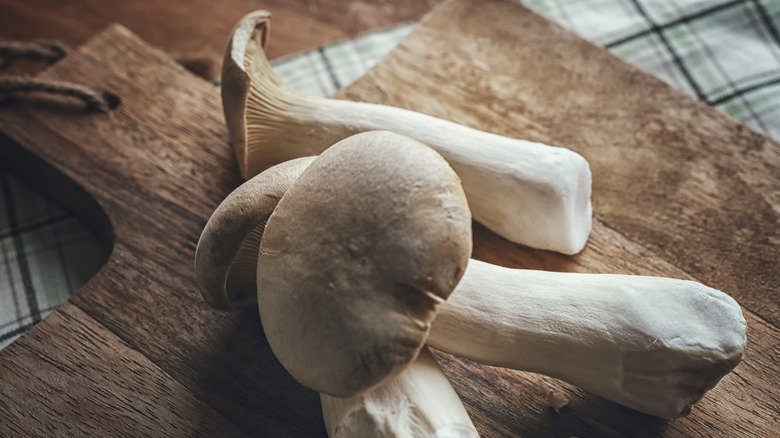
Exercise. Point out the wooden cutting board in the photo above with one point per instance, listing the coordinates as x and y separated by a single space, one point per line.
679 190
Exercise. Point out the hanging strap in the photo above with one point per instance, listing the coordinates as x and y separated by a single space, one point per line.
50 52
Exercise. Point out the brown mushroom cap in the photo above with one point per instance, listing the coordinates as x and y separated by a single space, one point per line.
226 256
355 259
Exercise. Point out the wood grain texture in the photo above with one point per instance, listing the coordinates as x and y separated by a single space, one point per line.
669 173
192 27
157 166
73 368
150 172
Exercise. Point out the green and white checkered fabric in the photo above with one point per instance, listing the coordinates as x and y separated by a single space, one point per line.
46 255
725 53
325 71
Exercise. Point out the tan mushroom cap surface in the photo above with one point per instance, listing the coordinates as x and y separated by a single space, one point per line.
226 255
357 256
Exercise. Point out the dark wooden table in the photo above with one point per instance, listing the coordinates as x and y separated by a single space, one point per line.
200 27
679 190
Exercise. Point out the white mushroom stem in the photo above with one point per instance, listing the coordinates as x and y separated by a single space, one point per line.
650 343
417 403
527 192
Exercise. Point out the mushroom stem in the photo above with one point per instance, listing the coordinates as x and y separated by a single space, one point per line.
653 344
527 192
418 402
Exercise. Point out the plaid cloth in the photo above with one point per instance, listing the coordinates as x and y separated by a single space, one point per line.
46 255
725 53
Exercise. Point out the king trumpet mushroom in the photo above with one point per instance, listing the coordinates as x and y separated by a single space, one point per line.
650 343
269 122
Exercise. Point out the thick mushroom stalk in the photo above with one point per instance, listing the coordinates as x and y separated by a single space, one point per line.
527 192
417 403
357 256
653 344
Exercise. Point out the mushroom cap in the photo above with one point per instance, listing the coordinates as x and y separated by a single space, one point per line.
226 255
357 256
